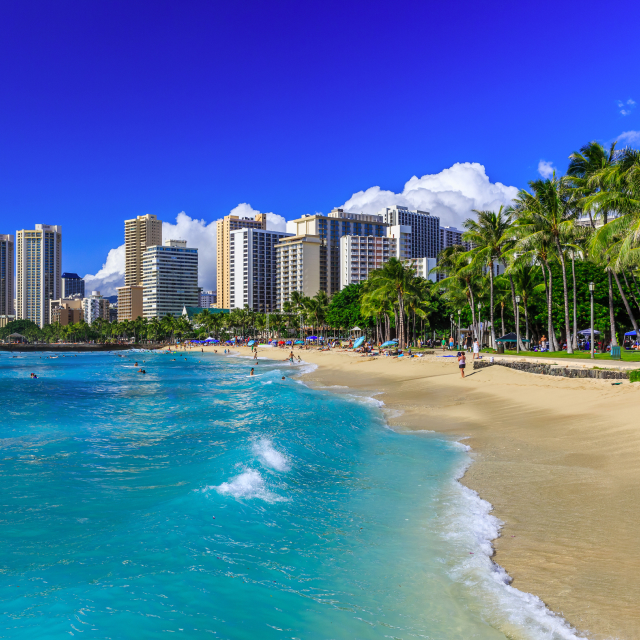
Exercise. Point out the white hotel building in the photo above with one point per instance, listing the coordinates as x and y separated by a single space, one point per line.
169 279
95 306
359 255
252 269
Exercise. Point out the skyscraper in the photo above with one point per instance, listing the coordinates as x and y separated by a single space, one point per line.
253 269
39 260
7 312
425 229
330 228
170 279
95 306
224 228
72 284
139 233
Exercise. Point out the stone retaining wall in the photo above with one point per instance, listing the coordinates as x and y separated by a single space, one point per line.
556 370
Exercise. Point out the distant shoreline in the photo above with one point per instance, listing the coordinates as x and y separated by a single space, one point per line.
69 347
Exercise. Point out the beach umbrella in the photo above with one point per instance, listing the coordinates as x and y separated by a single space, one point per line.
299 342
288 342
251 342
312 338
358 342
587 332
389 343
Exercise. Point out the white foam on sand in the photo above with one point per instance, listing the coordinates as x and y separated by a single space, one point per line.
270 457
467 521
247 486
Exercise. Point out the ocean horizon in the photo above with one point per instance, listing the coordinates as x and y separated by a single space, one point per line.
199 500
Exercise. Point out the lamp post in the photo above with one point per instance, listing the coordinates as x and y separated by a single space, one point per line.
451 325
592 288
479 325
459 335
517 324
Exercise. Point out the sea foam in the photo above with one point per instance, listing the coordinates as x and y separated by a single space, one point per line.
269 456
248 485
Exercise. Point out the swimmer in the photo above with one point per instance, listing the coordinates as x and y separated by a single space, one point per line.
251 371
283 377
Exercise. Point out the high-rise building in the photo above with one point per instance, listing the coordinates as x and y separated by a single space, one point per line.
207 299
360 255
425 229
224 228
72 284
252 259
95 306
7 311
139 233
330 228
170 279
39 260
301 265
450 236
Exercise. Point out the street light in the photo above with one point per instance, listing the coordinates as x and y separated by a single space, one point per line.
517 324
592 288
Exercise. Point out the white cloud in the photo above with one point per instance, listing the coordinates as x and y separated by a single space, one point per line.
198 233
546 168
627 107
450 194
110 276
629 137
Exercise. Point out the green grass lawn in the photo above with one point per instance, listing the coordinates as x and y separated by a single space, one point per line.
627 356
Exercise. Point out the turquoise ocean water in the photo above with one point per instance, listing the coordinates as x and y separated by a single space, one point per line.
199 501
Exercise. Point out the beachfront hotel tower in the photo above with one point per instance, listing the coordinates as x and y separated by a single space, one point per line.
330 228
72 285
425 229
252 274
7 312
169 279
224 228
139 233
39 262
95 306
301 265
360 255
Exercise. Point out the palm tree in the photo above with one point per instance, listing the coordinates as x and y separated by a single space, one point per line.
589 174
396 282
546 215
490 234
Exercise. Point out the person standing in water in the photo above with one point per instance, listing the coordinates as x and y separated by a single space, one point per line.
251 371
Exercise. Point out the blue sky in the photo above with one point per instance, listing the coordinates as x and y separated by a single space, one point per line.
114 109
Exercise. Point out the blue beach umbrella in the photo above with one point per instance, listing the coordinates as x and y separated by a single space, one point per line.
251 342
359 342
389 343
299 342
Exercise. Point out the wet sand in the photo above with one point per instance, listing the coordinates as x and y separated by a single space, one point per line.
558 458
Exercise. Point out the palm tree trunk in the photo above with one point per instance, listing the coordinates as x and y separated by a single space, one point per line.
526 321
574 343
553 342
493 331
565 291
624 275
612 318
626 304
502 316
472 304
515 315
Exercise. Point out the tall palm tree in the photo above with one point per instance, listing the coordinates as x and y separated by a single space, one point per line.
589 174
490 234
546 214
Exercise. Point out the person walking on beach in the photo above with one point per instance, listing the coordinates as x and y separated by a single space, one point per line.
444 343
469 343
451 343
462 362
476 349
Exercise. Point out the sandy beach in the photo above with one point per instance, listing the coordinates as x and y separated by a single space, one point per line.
558 458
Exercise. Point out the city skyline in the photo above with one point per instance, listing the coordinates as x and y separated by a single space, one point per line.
118 112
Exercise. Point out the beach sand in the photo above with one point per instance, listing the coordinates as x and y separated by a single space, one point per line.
558 458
